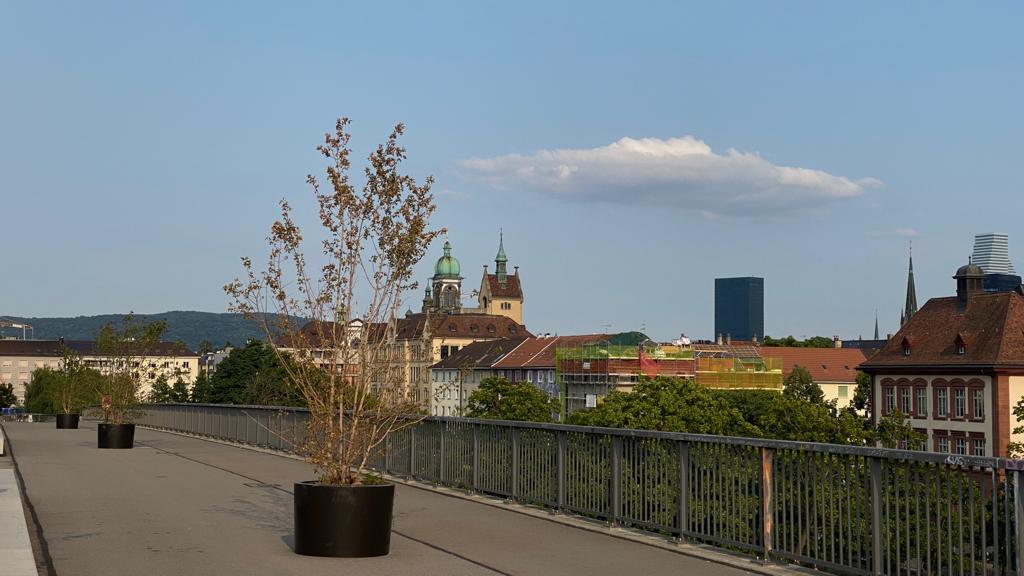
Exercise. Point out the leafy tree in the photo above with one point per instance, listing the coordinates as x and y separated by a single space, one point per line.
160 393
1016 449
799 384
7 395
896 431
668 404
862 394
253 374
497 398
205 347
124 349
39 396
179 391
201 389
790 342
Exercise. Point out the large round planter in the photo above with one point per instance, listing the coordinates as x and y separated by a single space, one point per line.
115 435
67 421
343 521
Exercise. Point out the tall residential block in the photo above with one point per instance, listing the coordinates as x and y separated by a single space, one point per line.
739 307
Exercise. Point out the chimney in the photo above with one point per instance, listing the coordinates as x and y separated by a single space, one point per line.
718 340
728 339
836 342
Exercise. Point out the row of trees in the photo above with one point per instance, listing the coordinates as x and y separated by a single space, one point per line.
680 405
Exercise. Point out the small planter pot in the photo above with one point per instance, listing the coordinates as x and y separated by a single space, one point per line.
67 421
115 435
343 521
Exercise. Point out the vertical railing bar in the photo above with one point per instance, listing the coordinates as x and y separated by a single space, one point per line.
876 516
515 463
767 502
1018 516
616 479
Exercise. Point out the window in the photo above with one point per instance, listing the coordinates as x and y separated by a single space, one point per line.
979 446
961 445
491 328
890 399
906 349
922 402
942 444
959 402
905 400
942 401
960 350
978 401
529 375
844 391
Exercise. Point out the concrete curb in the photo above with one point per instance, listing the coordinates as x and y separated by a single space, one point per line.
16 557
695 550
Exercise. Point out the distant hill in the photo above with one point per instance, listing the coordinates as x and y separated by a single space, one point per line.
189 327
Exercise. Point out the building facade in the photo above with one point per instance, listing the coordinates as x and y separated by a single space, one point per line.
956 369
739 307
833 369
460 374
18 358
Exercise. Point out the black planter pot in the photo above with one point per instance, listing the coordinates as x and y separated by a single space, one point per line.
115 435
67 421
343 521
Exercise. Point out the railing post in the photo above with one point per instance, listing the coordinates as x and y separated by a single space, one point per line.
684 489
562 439
767 501
444 462
412 452
1018 516
515 463
876 516
616 478
476 457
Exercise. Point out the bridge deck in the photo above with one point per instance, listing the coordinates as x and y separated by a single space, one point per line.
179 505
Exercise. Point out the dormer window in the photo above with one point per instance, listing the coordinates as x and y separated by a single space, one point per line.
960 350
906 347
959 345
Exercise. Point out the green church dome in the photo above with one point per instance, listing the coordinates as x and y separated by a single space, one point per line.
447 266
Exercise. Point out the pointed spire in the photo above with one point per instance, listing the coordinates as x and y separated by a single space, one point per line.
501 260
876 323
910 308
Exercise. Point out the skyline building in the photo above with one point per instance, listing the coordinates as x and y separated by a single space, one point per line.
739 307
910 305
992 254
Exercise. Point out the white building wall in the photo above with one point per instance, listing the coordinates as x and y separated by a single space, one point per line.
930 424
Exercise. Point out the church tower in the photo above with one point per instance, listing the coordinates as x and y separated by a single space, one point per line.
910 307
501 293
447 283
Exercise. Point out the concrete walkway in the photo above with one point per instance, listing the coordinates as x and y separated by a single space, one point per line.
177 505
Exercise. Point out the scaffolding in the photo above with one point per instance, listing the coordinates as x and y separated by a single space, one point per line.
588 372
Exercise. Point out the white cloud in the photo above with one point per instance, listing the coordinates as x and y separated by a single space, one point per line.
679 172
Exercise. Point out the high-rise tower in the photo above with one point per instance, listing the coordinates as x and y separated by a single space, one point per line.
992 254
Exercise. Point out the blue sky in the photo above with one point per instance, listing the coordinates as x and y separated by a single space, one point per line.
144 147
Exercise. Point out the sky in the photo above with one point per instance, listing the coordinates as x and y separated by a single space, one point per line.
630 152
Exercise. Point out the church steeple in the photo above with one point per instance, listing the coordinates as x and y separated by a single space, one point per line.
876 324
501 261
910 308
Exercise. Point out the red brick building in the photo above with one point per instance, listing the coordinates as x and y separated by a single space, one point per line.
956 369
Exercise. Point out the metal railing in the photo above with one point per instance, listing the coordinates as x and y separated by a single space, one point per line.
844 509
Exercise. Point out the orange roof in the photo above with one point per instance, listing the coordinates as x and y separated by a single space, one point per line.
824 364
540 352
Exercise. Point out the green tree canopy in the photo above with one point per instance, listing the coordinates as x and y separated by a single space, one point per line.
791 342
7 395
39 395
862 395
667 404
499 399
252 374
800 384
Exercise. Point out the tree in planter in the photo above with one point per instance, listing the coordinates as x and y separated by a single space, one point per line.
73 386
347 372
497 398
124 351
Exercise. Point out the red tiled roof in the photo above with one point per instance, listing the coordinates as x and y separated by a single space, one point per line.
509 289
991 326
482 326
540 352
480 354
824 364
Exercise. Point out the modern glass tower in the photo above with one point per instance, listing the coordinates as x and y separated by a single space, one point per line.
992 254
739 307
